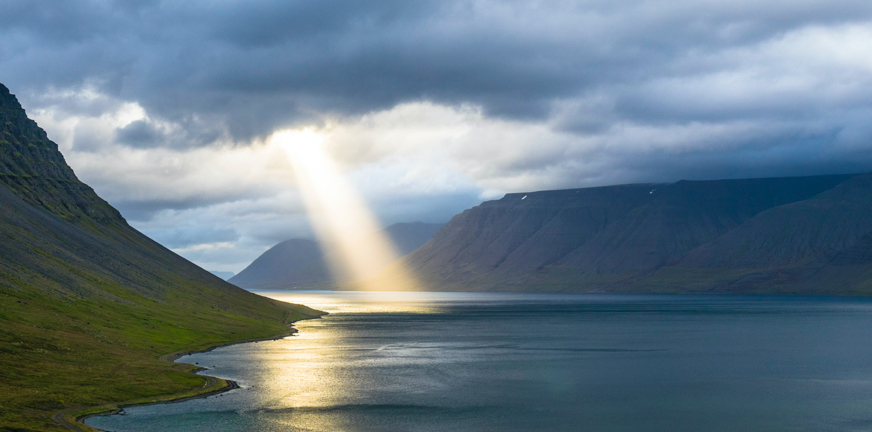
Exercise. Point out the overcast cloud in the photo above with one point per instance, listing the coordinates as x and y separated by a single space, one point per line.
430 106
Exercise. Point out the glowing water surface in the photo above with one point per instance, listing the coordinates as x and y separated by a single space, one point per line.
516 362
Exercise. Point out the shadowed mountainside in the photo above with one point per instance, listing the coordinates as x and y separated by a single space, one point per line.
291 263
749 235
88 303
301 263
223 274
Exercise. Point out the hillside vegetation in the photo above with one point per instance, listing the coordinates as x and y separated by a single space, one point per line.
87 303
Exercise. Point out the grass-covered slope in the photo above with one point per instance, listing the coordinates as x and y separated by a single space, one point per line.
87 303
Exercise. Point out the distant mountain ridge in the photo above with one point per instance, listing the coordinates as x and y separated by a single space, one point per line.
291 263
302 263
747 235
223 274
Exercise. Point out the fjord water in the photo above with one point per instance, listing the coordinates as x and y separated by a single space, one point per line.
521 362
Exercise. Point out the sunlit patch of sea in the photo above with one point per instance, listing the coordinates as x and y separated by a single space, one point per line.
522 362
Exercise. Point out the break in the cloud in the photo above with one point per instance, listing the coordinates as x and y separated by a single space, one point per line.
432 105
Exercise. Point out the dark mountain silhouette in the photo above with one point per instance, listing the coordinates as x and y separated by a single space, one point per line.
408 236
301 263
59 237
223 274
291 263
87 302
749 235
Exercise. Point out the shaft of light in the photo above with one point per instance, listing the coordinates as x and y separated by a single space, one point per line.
360 255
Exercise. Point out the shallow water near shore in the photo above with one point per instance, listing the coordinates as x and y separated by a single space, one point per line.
526 362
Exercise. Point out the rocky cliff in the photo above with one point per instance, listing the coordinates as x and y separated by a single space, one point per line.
33 168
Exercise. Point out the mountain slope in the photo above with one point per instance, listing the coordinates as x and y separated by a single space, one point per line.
685 215
613 238
819 245
88 303
294 262
796 233
301 263
408 236
520 233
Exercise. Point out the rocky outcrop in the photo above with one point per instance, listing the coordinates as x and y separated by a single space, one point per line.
33 168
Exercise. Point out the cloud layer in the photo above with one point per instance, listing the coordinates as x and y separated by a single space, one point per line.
431 105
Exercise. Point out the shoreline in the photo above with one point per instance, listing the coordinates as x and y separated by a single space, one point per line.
73 418
226 386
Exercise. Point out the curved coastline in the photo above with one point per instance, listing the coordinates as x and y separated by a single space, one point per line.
73 418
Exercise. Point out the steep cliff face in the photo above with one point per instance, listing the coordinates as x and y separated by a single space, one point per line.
33 168
646 237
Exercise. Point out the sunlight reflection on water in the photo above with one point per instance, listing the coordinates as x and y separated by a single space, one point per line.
374 301
518 362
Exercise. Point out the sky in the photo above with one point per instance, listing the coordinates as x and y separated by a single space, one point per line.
429 107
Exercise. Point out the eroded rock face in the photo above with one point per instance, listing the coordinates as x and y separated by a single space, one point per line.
32 166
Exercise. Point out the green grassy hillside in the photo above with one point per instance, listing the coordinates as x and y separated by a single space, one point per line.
87 303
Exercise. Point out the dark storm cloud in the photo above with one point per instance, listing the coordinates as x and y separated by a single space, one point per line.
144 211
146 134
182 237
259 65
138 134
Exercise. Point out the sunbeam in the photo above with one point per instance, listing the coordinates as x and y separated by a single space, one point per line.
360 256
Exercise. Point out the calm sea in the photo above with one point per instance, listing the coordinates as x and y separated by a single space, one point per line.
507 362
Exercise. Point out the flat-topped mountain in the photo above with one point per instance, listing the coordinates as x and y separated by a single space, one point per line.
87 303
748 235
301 263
